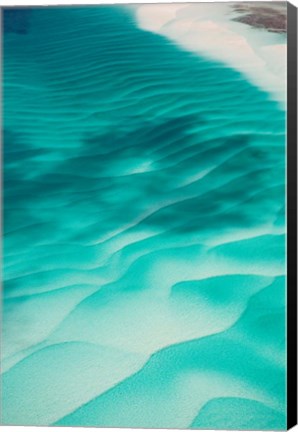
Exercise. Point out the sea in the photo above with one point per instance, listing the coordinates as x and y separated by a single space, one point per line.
144 219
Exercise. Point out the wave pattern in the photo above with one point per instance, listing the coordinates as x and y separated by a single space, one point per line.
144 230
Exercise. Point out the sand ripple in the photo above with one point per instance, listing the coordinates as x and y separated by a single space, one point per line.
144 247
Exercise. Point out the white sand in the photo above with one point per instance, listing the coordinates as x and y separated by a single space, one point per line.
207 29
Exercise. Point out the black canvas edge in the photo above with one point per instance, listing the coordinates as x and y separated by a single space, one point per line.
291 215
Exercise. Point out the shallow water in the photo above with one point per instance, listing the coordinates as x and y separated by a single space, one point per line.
144 230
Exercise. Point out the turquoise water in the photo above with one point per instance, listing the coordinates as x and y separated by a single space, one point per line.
144 231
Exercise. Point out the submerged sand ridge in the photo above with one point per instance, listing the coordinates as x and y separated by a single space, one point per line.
144 249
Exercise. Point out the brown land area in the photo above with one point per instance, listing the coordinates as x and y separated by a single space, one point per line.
271 16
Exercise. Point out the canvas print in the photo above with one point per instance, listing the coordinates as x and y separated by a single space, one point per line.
144 200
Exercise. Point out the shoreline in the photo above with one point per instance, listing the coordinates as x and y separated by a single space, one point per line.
222 35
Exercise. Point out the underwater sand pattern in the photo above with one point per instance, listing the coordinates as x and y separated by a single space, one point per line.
144 230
